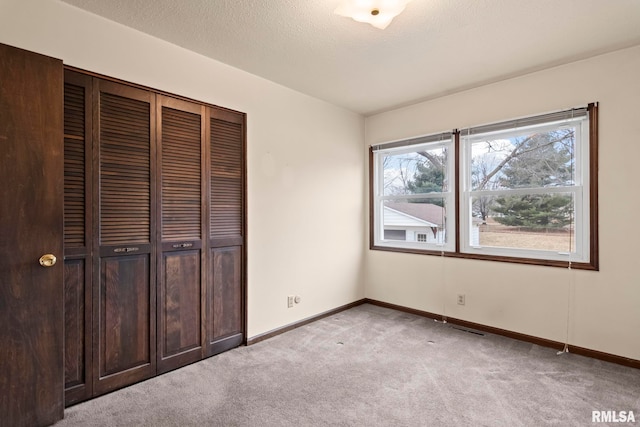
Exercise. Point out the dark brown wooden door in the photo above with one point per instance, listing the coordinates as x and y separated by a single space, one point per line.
124 294
225 279
31 301
180 257
78 238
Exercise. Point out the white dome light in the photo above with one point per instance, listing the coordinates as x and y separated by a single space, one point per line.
378 13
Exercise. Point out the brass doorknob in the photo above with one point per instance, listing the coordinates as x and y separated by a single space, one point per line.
48 260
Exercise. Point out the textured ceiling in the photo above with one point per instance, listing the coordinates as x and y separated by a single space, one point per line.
433 48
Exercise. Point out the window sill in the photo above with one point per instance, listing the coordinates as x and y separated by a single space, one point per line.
512 260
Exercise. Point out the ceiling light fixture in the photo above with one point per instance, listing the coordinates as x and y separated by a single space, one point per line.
378 13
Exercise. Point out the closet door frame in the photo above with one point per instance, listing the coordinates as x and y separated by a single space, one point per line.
97 383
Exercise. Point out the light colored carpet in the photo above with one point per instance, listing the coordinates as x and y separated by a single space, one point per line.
371 366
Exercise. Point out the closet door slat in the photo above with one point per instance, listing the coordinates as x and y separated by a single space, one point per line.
181 175
226 179
125 172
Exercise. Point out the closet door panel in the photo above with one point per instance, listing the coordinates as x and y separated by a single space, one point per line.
74 322
124 315
181 291
226 279
125 310
77 236
180 146
225 324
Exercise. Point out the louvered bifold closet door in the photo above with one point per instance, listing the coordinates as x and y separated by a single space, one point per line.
226 278
125 291
77 237
180 147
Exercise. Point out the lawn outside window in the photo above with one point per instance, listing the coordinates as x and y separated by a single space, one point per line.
522 191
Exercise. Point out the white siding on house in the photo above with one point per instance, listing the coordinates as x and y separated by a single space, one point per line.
394 220
475 235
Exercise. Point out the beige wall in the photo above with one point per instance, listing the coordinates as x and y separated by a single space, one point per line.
602 308
304 155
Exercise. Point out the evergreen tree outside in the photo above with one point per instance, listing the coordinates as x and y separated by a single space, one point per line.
534 211
429 177
540 160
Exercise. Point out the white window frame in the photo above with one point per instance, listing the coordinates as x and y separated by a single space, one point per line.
406 146
580 191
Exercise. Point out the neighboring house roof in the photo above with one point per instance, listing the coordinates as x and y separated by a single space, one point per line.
395 219
425 212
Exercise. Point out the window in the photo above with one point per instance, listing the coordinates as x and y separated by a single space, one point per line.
526 191
414 194
395 234
524 188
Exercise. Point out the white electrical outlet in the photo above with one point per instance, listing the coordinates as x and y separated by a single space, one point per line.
297 299
461 299
290 300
